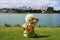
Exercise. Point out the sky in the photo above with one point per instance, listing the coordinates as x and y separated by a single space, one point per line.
31 3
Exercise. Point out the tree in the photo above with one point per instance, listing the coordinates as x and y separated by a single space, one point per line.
50 10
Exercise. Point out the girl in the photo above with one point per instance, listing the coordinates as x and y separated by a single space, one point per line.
29 26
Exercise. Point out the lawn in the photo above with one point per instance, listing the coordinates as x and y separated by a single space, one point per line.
15 33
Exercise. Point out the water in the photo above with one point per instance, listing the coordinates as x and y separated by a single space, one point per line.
44 19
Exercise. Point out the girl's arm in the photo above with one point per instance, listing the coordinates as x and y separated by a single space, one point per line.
35 19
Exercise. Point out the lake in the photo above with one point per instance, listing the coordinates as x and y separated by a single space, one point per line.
44 19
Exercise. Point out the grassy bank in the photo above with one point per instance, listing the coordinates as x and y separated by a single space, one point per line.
15 33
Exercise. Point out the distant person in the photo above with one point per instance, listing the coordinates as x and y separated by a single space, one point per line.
30 22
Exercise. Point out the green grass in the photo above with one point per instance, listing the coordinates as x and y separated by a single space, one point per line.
15 33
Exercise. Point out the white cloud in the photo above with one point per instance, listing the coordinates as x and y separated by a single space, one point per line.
32 3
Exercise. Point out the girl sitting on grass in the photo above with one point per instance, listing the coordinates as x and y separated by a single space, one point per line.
29 26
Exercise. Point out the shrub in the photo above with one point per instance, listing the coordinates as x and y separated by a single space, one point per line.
17 25
7 25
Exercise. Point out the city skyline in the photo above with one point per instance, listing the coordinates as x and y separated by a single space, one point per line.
31 3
